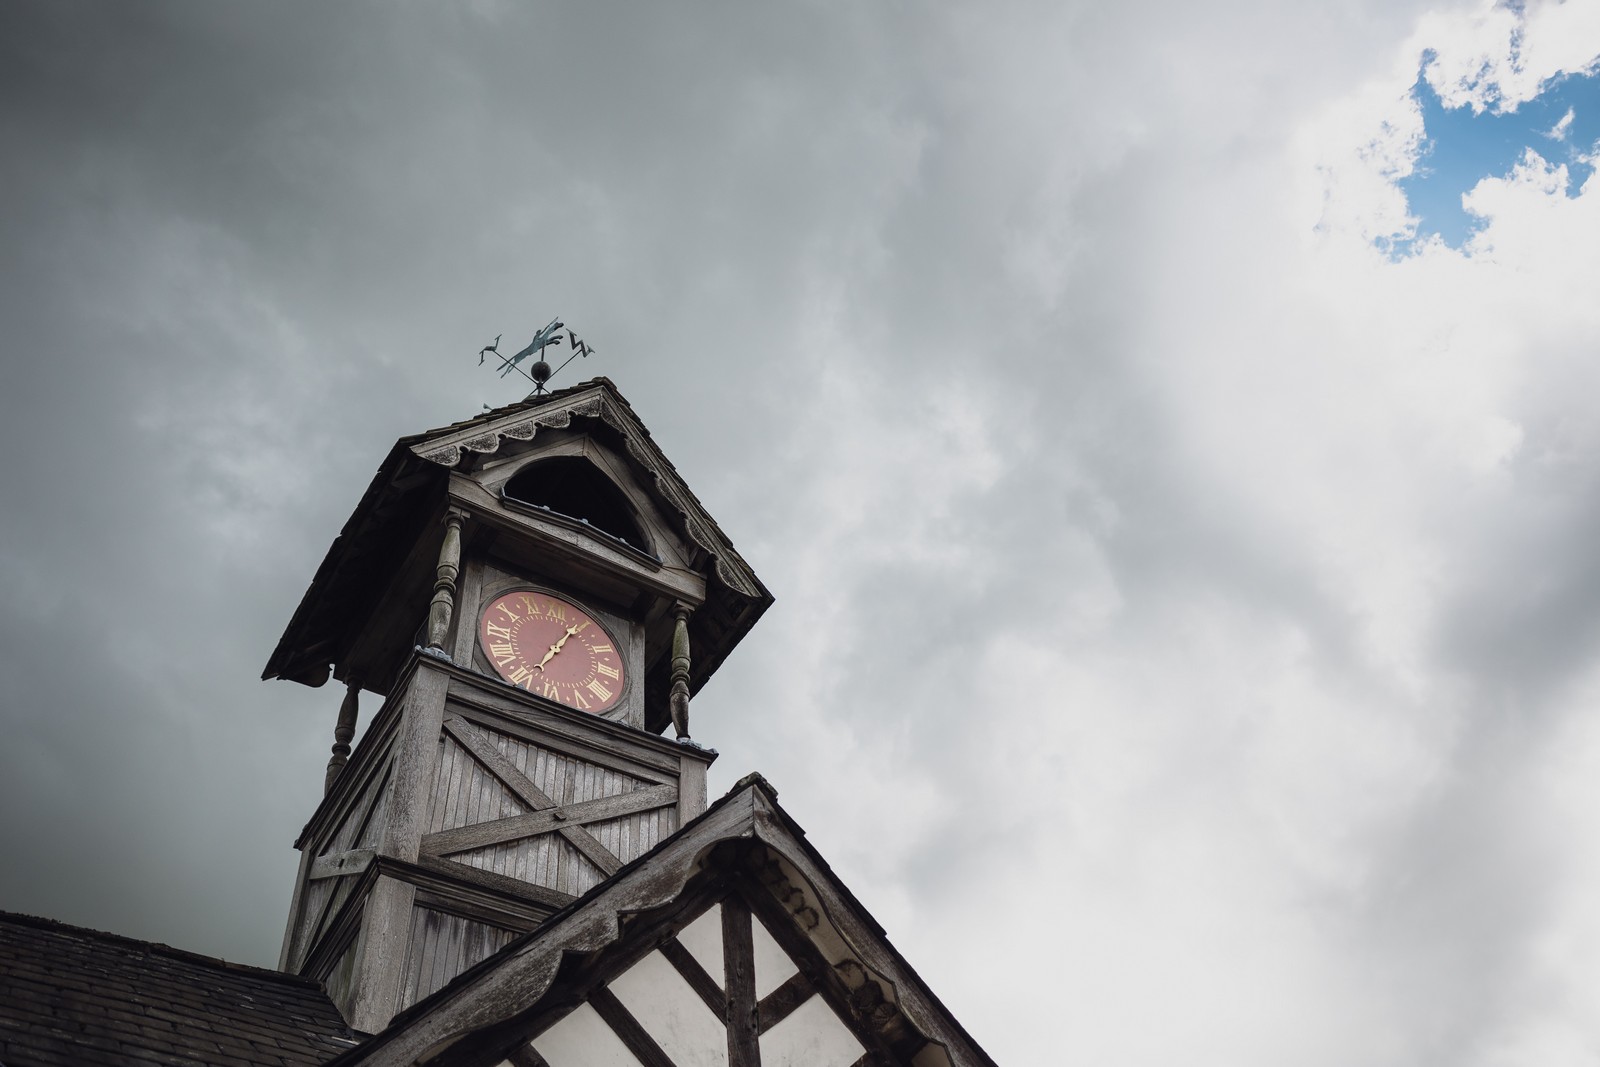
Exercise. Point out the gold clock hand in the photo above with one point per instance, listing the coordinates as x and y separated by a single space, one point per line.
548 656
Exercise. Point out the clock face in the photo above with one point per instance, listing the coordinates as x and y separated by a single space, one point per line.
550 646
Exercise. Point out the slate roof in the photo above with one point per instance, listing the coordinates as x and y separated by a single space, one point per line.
71 996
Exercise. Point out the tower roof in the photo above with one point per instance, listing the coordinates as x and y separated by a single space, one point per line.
409 488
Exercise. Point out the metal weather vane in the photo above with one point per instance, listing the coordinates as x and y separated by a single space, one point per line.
539 371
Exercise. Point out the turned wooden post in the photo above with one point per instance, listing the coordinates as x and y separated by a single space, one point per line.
343 731
444 583
678 700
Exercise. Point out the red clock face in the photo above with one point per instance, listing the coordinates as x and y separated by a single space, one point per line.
549 646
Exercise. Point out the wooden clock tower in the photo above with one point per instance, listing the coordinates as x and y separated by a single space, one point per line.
533 595
514 868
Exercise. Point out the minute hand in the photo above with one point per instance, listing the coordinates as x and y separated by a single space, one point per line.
550 655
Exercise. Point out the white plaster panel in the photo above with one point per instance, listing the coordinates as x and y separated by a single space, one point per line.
812 1036
582 1039
773 965
703 939
672 1013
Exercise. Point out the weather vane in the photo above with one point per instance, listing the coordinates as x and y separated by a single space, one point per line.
540 371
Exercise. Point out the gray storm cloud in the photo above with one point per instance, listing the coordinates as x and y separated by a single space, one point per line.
1184 638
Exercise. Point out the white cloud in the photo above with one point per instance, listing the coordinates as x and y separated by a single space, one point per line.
1186 612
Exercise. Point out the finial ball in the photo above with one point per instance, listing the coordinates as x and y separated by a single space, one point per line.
541 372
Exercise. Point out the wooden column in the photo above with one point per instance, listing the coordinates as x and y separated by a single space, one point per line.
343 730
678 699
444 582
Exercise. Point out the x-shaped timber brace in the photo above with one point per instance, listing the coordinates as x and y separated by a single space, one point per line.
568 820
546 816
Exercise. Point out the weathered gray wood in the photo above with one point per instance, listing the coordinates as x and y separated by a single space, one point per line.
443 945
853 1004
468 606
353 862
575 733
529 793
568 548
499 994
634 1038
697 978
444 585
497 882
779 1004
381 968
691 787
482 835
288 956
525 1055
416 748
739 963
678 696
369 758
864 936
344 728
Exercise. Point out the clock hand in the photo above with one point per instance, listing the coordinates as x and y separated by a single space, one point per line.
548 656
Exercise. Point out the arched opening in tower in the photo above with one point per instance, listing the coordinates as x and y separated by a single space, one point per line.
574 487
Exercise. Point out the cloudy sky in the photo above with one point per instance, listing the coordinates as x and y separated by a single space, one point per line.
1171 432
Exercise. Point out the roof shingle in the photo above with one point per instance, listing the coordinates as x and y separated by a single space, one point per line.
75 996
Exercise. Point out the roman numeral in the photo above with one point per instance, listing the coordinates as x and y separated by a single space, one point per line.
502 632
609 672
550 690
521 676
530 605
578 701
597 649
555 611
599 690
513 616
502 652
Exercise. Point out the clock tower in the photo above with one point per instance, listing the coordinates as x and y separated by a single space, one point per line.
531 597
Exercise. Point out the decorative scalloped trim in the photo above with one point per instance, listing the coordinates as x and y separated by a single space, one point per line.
730 566
447 456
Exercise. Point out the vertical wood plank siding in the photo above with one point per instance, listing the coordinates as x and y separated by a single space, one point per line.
361 828
441 947
341 985
465 794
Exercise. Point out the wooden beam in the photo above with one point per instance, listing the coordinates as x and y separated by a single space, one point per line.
353 862
779 1004
626 1027
495 762
739 960
532 824
699 981
551 898
809 959
526 1055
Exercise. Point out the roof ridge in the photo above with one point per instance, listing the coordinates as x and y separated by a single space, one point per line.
159 948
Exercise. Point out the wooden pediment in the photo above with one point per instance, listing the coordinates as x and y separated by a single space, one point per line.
598 400
730 943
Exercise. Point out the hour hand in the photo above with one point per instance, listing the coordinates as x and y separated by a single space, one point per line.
548 656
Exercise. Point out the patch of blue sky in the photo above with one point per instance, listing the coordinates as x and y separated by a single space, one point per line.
1460 148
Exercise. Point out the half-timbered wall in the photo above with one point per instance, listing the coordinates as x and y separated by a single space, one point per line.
672 1008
